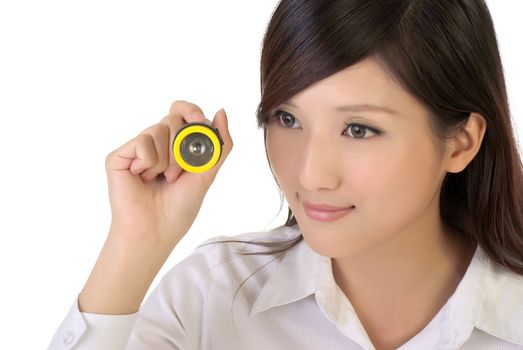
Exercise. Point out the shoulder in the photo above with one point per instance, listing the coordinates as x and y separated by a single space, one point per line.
221 262
501 310
201 288
251 242
230 256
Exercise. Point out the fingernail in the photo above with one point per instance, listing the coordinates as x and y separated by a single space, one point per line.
226 119
221 110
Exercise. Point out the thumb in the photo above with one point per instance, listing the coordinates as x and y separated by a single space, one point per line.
221 122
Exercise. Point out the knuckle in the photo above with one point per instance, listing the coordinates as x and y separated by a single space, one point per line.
158 131
163 129
163 159
178 104
145 143
108 159
184 108
175 104
230 145
143 139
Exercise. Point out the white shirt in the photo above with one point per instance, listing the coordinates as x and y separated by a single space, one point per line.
291 301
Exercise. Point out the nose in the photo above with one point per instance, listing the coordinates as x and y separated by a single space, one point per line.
320 166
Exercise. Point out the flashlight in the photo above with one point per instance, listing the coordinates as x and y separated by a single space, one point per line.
197 147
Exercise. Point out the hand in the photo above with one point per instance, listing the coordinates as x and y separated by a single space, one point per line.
152 199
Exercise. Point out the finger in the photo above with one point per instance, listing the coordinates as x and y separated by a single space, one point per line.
145 154
180 113
189 111
135 156
125 165
221 123
159 134
172 173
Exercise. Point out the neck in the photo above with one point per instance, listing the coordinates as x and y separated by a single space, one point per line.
398 287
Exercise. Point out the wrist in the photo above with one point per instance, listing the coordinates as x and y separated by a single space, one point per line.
121 276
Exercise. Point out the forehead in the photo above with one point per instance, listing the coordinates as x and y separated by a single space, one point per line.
363 83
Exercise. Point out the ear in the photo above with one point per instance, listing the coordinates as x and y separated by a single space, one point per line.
464 146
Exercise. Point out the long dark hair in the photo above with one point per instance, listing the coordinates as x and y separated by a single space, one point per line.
444 53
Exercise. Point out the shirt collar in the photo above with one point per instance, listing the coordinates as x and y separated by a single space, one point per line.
460 312
500 311
488 297
293 279
303 272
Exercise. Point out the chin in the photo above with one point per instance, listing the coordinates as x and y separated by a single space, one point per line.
331 243
336 240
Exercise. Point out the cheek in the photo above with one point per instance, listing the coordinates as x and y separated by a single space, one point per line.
400 183
282 153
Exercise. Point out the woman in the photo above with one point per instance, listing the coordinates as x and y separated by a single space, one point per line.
388 131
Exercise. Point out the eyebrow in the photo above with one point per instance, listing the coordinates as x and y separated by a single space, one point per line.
363 107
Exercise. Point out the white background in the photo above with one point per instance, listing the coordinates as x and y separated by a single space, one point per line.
79 79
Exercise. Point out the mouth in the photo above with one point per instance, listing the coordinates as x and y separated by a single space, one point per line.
324 212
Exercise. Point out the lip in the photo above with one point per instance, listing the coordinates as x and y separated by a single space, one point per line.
324 207
324 212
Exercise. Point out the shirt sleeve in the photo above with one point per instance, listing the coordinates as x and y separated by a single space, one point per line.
82 331
170 318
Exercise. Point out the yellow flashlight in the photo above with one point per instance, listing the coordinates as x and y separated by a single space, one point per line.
197 147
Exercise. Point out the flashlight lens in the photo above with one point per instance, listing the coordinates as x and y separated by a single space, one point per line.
197 149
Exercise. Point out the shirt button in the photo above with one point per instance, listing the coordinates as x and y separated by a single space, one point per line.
68 337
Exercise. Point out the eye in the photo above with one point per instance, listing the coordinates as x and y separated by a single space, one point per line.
353 130
285 119
358 131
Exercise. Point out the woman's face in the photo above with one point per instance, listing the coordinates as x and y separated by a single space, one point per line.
383 164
